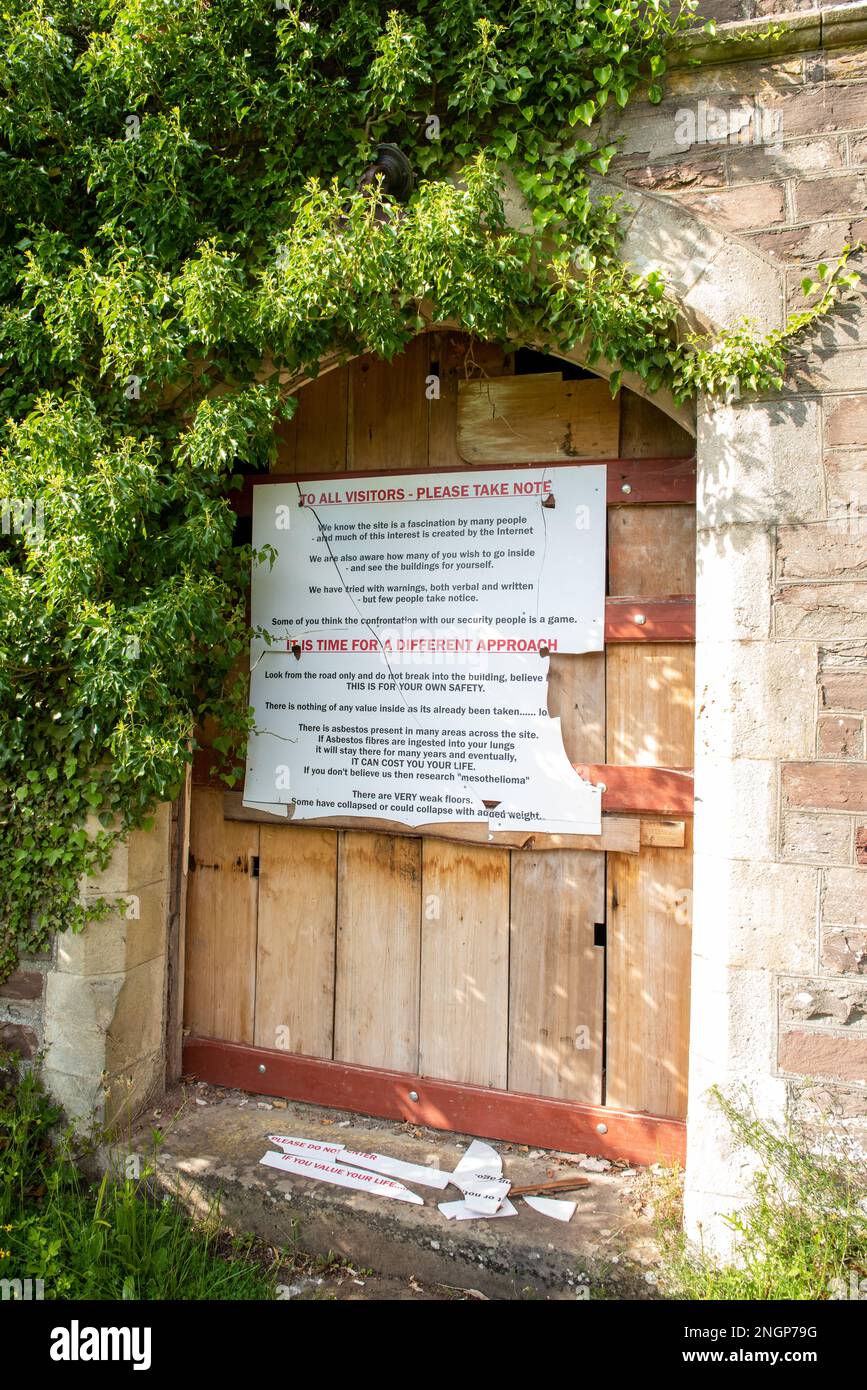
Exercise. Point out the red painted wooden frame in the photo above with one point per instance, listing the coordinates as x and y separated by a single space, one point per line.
629 480
479 1110
650 620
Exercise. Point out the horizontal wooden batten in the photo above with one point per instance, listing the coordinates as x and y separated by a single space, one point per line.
630 481
480 1110
663 791
650 620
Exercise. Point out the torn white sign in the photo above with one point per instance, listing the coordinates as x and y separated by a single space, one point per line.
553 1207
479 1175
522 548
323 1171
396 1168
462 1211
291 1144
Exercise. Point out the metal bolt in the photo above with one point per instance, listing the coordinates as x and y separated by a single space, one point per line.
626 487
602 787
601 1129
413 1095
262 1066
640 619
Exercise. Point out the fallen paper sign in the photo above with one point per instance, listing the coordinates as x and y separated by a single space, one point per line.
396 1168
462 1211
290 1144
551 1206
340 1177
479 1175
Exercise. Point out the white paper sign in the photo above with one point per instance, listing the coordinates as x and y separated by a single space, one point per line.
462 1211
553 1207
412 622
396 1168
290 1144
323 1171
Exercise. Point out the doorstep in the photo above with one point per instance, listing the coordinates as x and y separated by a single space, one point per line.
214 1138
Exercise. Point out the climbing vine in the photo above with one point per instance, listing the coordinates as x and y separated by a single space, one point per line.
183 233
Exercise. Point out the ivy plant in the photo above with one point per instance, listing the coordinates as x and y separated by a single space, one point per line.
183 233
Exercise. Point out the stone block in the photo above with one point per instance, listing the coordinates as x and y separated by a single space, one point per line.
756 699
844 897
824 611
840 736
759 463
814 1053
822 550
810 838
733 593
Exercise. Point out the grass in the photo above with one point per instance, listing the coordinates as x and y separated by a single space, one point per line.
802 1233
110 1239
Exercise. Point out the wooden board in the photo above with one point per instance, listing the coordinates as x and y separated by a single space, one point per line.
389 411
649 935
464 964
222 895
645 432
651 551
378 951
295 949
526 418
455 358
650 704
556 976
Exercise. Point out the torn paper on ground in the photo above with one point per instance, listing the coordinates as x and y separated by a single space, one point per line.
396 1168
479 1175
291 1144
553 1207
462 1211
323 1171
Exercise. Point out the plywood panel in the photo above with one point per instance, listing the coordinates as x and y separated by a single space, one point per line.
295 955
378 951
576 693
556 975
649 927
646 433
455 357
389 411
465 964
651 551
220 967
525 419
650 704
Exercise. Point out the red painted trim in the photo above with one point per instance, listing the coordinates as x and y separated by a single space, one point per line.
649 480
665 619
449 1105
666 791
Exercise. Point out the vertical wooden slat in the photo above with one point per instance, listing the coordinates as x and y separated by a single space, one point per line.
649 916
556 975
455 357
321 421
650 704
651 551
389 411
576 692
220 975
464 963
295 955
378 950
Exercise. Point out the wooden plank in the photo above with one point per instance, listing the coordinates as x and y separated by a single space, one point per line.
295 952
661 833
650 620
455 357
647 432
525 418
378 951
465 1109
618 832
636 482
321 423
464 964
556 976
651 704
222 892
649 930
664 791
388 412
576 695
651 551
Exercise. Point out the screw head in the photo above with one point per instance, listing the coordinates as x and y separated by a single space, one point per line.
413 1095
640 619
626 487
262 1066
601 1129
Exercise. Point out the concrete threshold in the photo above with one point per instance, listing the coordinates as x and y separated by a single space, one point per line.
213 1141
